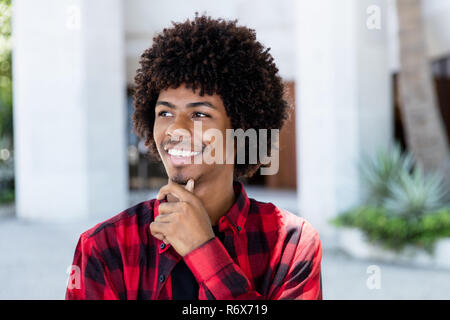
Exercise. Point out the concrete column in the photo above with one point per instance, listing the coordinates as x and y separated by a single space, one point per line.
343 102
69 109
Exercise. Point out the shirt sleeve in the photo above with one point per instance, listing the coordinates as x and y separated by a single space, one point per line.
298 275
88 278
303 277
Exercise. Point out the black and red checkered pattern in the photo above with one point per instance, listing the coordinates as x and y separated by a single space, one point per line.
266 253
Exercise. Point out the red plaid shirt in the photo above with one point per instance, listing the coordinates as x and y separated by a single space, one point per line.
267 253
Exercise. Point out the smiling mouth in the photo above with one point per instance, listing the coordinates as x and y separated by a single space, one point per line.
182 156
182 153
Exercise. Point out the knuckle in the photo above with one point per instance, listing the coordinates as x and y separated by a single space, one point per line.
184 206
176 217
195 201
170 230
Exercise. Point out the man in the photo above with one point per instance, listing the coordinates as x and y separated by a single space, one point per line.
202 237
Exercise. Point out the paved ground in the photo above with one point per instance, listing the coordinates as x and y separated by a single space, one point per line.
34 258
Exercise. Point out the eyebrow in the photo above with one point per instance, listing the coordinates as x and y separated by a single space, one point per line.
189 105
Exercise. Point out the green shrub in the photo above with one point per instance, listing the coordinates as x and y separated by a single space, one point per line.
7 196
393 232
403 205
6 174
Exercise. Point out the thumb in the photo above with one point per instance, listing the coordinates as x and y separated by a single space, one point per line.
190 185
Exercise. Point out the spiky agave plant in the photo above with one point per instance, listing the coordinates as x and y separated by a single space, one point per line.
379 172
416 194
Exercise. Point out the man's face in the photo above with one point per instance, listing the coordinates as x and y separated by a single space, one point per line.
176 111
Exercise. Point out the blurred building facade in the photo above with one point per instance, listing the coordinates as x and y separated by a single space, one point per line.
73 78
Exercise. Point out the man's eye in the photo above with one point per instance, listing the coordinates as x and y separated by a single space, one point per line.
163 113
201 115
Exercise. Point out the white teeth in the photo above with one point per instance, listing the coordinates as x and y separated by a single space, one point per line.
182 153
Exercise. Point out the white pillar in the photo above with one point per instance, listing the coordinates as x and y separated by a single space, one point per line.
344 107
69 109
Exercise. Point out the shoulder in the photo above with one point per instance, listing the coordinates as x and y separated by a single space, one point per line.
129 221
290 228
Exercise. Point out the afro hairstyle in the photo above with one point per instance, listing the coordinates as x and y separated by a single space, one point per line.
214 56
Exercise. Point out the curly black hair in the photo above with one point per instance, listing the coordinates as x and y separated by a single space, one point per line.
215 56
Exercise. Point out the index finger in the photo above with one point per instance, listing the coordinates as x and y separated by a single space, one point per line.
168 207
176 190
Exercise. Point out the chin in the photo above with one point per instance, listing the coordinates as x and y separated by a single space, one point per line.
181 175
180 179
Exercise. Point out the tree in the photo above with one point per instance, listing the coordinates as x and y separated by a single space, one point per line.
6 129
423 125
6 117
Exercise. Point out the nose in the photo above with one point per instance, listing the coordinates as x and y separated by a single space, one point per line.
180 129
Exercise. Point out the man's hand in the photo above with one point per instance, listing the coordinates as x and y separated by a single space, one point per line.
184 224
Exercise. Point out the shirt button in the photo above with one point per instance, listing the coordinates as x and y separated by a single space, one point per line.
162 245
161 278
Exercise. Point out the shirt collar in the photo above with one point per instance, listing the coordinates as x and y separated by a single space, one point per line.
235 217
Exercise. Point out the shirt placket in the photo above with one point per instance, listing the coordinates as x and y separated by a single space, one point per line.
166 262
